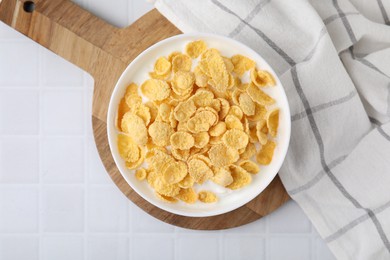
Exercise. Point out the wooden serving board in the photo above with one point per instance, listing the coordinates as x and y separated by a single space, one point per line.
104 51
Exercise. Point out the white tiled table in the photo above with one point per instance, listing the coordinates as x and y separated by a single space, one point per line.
56 200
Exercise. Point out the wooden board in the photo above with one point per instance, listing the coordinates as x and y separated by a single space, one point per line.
105 51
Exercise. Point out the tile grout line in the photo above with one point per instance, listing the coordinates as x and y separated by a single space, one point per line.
129 12
52 88
313 242
175 246
40 156
130 233
86 158
266 240
221 241
86 166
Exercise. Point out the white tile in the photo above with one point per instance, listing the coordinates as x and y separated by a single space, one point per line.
243 247
289 219
162 248
119 7
19 209
63 112
89 112
63 209
140 8
180 230
19 160
107 210
323 252
89 80
19 247
292 248
197 247
60 72
7 32
256 227
108 247
97 174
62 247
19 64
19 111
63 160
142 222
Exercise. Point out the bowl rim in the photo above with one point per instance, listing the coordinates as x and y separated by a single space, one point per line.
112 110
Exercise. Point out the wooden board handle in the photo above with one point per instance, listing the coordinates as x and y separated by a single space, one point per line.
61 26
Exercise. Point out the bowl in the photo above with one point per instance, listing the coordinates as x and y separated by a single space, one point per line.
137 71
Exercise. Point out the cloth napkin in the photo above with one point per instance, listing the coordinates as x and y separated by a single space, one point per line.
333 58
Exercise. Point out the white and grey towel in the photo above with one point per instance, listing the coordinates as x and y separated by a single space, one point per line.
333 57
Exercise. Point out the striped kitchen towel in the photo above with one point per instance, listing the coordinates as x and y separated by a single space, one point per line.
333 57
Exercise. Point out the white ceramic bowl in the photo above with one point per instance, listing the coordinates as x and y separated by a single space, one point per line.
137 72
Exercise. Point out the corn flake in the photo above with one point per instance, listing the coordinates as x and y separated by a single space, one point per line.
235 138
261 132
221 155
201 139
222 177
250 150
128 149
133 165
166 198
242 64
201 78
140 174
233 122
173 55
160 132
250 166
175 172
195 48
201 122
260 113
203 98
161 187
247 105
123 108
181 62
153 110
259 96
273 122
181 155
155 89
184 110
135 127
164 111
162 66
264 156
218 130
187 195
225 107
144 113
262 78
182 140
207 197
183 80
199 170
236 111
240 176
217 69
187 182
